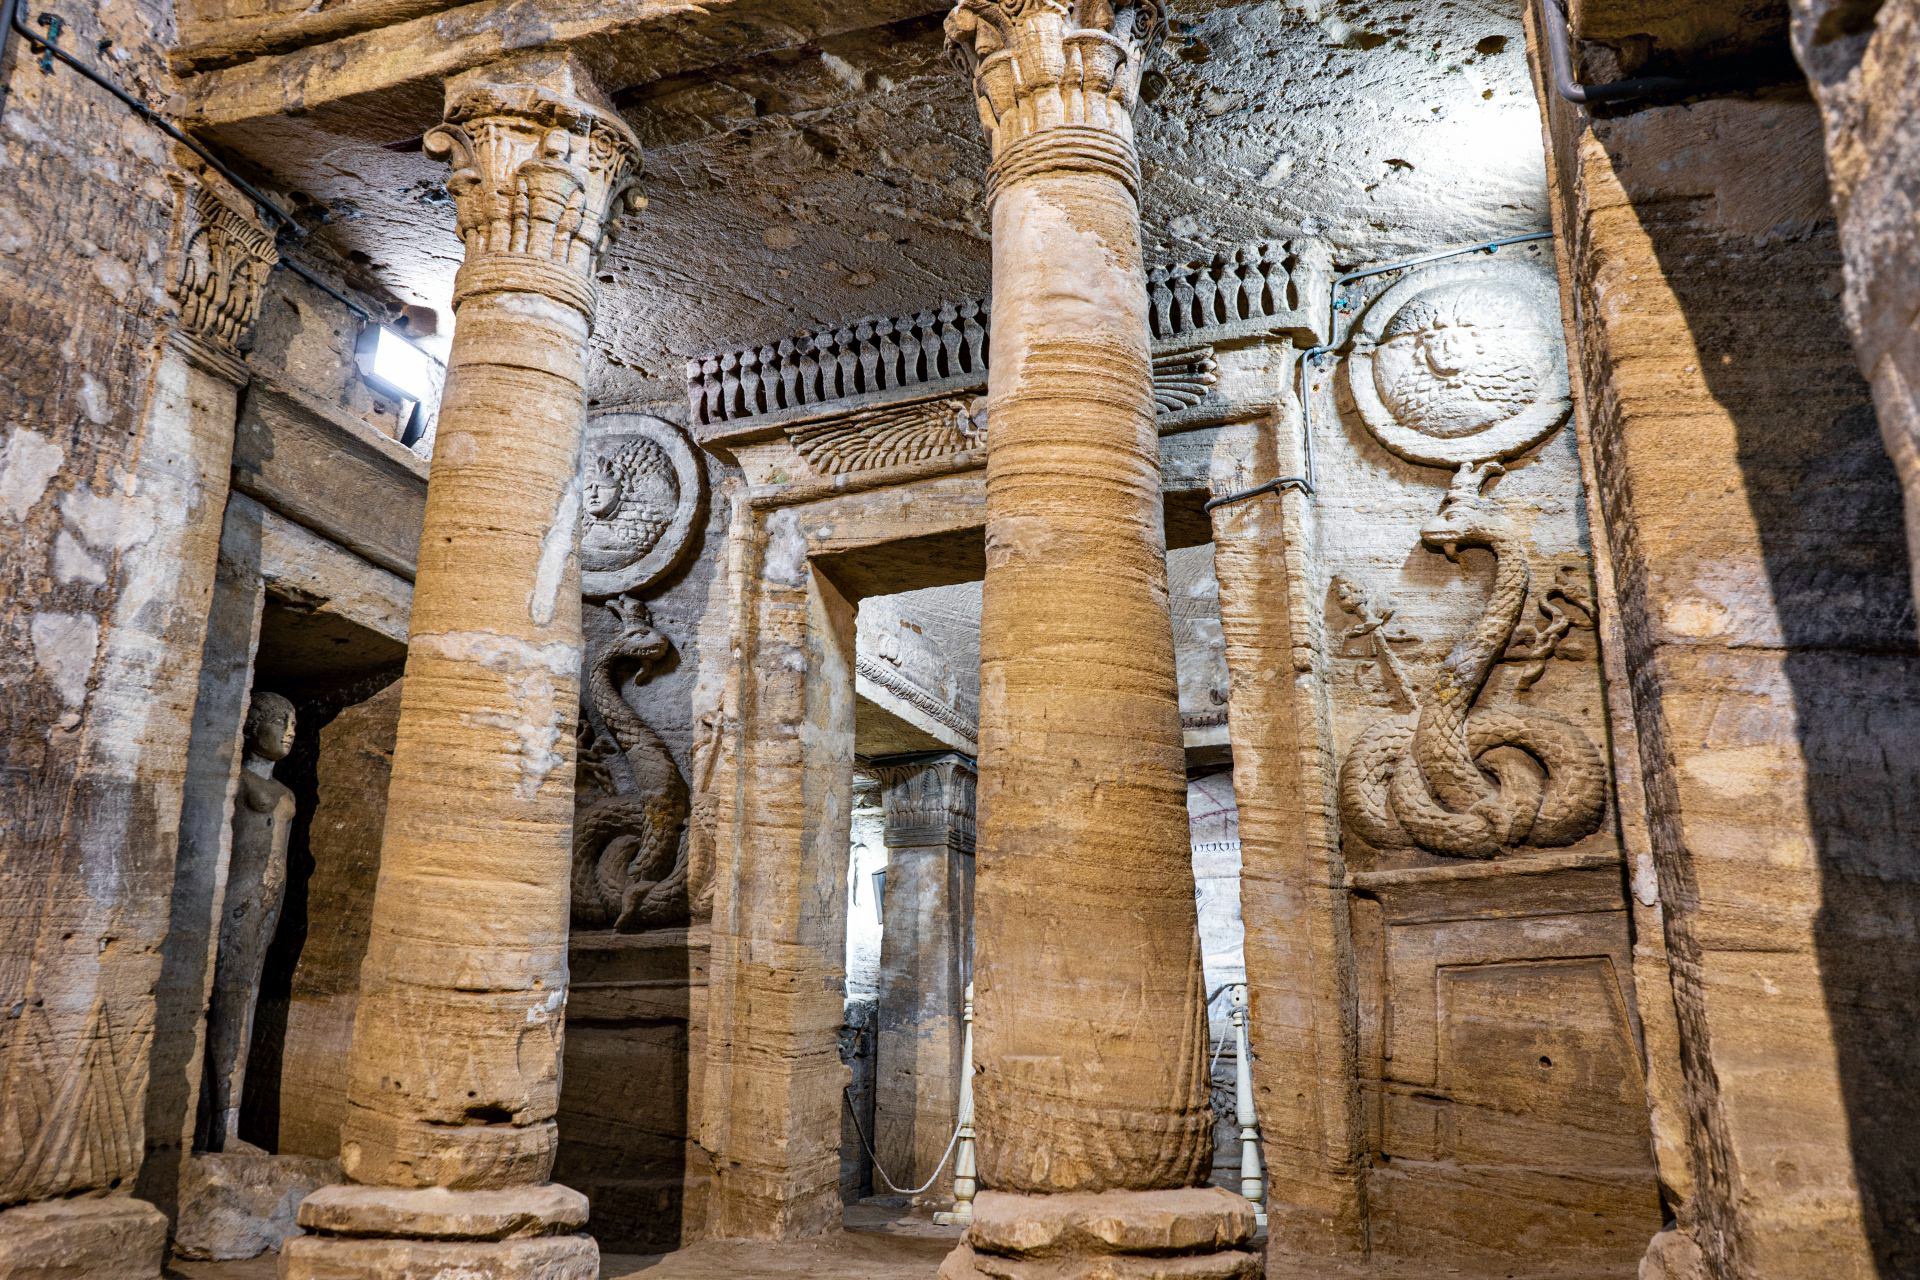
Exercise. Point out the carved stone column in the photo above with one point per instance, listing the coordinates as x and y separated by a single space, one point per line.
926 955
456 1050
1095 1134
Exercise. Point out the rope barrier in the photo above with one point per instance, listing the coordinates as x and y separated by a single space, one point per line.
846 1095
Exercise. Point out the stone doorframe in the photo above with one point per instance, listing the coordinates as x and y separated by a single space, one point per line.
802 553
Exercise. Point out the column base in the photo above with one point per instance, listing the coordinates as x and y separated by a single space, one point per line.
1198 1233
114 1238
387 1233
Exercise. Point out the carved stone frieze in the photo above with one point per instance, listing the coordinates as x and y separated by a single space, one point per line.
912 694
871 439
1442 780
222 256
538 181
643 491
1463 363
876 438
1183 377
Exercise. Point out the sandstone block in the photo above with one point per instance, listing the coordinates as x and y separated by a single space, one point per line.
117 1238
1111 1222
240 1204
1194 1233
541 1258
439 1214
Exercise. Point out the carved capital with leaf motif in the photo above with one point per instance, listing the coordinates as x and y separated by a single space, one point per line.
539 180
1057 81
222 255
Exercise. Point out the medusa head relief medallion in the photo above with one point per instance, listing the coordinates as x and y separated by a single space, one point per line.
642 491
1463 364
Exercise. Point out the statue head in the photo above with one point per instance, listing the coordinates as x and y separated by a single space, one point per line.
603 489
269 726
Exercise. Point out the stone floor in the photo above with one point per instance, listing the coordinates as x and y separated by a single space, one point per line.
885 1244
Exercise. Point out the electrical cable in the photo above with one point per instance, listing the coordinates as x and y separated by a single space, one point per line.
48 49
1554 28
1337 302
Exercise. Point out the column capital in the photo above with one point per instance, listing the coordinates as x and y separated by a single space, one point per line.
929 802
540 177
222 255
1057 80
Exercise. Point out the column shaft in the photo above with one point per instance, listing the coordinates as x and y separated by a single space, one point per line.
1090 1033
455 1067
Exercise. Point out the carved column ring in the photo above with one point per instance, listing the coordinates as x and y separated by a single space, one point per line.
525 273
1066 149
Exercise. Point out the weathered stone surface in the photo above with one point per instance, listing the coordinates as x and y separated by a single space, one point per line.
113 472
355 763
435 1213
114 1238
1190 1220
1863 60
342 1258
1740 491
635 1050
241 1204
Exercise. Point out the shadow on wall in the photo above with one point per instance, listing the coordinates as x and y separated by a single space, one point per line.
1841 674
316 707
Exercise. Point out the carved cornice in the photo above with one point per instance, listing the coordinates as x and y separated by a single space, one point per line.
914 696
1056 81
222 255
876 438
539 180
873 439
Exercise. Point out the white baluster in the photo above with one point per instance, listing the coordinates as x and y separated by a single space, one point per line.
1252 1185
965 1182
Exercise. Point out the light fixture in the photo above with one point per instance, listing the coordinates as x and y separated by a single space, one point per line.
396 368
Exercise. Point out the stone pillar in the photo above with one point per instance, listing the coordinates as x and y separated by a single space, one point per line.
1723 424
1300 966
1095 1132
95 751
926 957
454 1079
1863 61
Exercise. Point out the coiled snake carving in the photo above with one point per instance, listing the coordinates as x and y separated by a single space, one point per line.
630 848
1441 784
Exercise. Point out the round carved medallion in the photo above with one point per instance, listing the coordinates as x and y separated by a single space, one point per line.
1462 363
642 491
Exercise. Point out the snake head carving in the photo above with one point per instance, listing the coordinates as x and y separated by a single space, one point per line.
638 638
1468 516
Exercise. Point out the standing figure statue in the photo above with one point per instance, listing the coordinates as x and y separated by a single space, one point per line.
256 885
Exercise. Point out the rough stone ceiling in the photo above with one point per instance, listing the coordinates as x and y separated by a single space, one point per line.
830 181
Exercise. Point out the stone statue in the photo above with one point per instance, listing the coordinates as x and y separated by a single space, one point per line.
256 885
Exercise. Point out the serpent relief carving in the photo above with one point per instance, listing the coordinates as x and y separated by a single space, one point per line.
630 846
1442 783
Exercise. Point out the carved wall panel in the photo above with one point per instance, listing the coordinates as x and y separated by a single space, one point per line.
1500 1059
653 540
643 491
